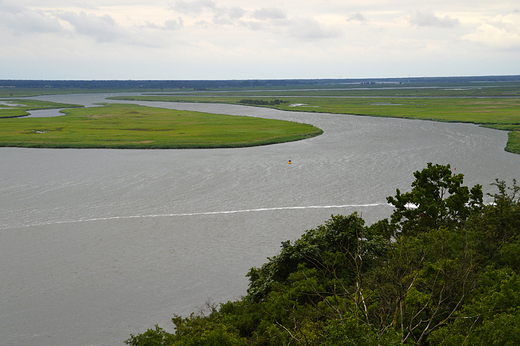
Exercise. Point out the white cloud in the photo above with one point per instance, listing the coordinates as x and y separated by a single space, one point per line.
21 20
310 29
228 16
269 14
207 12
170 24
193 7
101 28
500 32
428 18
270 39
104 29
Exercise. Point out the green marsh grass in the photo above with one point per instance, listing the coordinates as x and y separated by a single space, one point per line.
13 108
501 113
139 127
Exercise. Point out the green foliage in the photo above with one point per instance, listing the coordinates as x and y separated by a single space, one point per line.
492 315
453 279
498 224
350 332
424 280
437 199
201 331
152 337
358 246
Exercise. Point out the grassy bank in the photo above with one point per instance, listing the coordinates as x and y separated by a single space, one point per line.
137 127
13 108
487 109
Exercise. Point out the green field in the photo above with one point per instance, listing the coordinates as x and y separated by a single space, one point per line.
494 106
137 127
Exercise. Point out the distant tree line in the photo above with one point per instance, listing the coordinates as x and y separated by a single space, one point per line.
156 84
216 84
444 269
262 102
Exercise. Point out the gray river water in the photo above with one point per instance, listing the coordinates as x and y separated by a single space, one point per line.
98 244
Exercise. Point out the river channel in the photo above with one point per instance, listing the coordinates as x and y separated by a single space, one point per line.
98 244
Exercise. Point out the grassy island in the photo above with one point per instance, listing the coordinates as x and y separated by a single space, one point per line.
125 126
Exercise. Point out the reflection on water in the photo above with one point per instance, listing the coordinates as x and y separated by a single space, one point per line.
116 241
44 113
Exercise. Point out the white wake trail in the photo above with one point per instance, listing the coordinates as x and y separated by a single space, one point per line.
127 217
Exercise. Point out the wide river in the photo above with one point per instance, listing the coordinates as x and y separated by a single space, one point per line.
98 244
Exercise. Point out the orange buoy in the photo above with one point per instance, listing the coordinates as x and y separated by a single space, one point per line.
289 162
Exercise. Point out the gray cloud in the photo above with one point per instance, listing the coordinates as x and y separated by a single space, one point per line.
310 30
101 28
10 7
357 17
269 14
236 13
228 15
193 7
428 18
172 24
22 20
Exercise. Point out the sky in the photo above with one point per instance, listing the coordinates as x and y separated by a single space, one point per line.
282 39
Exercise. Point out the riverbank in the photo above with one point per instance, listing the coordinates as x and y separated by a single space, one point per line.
17 108
123 126
499 113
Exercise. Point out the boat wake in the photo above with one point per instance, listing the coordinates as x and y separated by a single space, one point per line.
207 213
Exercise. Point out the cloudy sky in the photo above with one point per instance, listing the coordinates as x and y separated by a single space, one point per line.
231 39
